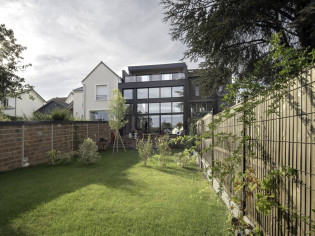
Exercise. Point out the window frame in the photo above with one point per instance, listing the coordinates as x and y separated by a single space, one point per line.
105 99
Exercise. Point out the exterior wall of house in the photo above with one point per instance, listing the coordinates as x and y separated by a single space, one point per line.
101 75
160 109
78 105
69 98
25 105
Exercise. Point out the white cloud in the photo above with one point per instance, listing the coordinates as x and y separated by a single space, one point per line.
66 39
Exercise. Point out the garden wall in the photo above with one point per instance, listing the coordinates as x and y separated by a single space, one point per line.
29 141
283 139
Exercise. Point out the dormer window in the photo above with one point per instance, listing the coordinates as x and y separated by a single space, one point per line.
101 92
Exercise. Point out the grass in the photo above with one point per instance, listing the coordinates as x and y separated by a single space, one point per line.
116 196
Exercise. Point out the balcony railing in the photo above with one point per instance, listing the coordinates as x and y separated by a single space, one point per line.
157 77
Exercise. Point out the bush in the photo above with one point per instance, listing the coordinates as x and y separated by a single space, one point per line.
53 156
183 158
60 114
57 114
88 151
163 149
145 149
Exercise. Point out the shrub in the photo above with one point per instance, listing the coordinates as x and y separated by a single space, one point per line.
53 156
88 151
3 117
163 149
60 114
145 149
183 158
37 116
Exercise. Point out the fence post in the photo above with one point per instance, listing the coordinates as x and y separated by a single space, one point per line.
244 160
52 136
23 142
212 141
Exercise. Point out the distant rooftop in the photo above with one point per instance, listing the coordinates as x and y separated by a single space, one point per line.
78 89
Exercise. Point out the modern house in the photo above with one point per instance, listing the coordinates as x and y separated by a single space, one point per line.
23 104
91 101
162 98
199 106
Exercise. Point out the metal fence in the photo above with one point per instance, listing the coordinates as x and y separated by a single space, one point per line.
282 139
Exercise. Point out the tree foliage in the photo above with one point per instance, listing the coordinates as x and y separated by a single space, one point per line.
11 64
117 110
231 36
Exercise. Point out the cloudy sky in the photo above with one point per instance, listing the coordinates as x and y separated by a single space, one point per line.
66 39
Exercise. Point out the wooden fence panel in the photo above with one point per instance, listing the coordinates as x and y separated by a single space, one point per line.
285 138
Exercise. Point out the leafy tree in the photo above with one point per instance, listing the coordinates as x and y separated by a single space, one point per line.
231 36
10 64
116 114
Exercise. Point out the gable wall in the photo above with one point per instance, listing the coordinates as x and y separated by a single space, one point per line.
100 76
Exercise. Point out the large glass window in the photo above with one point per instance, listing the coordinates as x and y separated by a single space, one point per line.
154 92
166 107
142 108
166 123
154 108
143 123
166 76
154 124
166 92
129 108
98 115
178 91
142 93
177 107
101 92
128 93
197 93
177 123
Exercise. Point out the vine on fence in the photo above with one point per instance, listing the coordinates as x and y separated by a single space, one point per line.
288 63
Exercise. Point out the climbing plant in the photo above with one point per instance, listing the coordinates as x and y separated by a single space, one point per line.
289 63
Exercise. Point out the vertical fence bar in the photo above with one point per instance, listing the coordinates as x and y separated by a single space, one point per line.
52 136
23 148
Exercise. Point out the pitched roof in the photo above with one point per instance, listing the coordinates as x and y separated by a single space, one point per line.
59 100
101 63
78 89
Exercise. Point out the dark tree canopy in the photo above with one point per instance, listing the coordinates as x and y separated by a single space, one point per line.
10 64
231 36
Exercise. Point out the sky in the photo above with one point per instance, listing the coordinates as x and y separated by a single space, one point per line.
66 39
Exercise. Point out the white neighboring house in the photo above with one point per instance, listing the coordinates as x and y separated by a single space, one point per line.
78 103
91 101
30 101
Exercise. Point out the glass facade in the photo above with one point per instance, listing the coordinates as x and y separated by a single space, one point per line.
98 115
155 77
142 93
154 108
166 107
142 108
156 117
154 92
178 91
128 93
129 108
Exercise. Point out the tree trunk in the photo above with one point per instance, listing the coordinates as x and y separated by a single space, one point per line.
122 141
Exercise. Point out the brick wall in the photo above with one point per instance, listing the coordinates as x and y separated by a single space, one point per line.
34 139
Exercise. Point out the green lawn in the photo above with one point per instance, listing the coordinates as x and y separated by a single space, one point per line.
116 196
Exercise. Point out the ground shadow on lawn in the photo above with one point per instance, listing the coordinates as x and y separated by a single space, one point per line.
24 189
